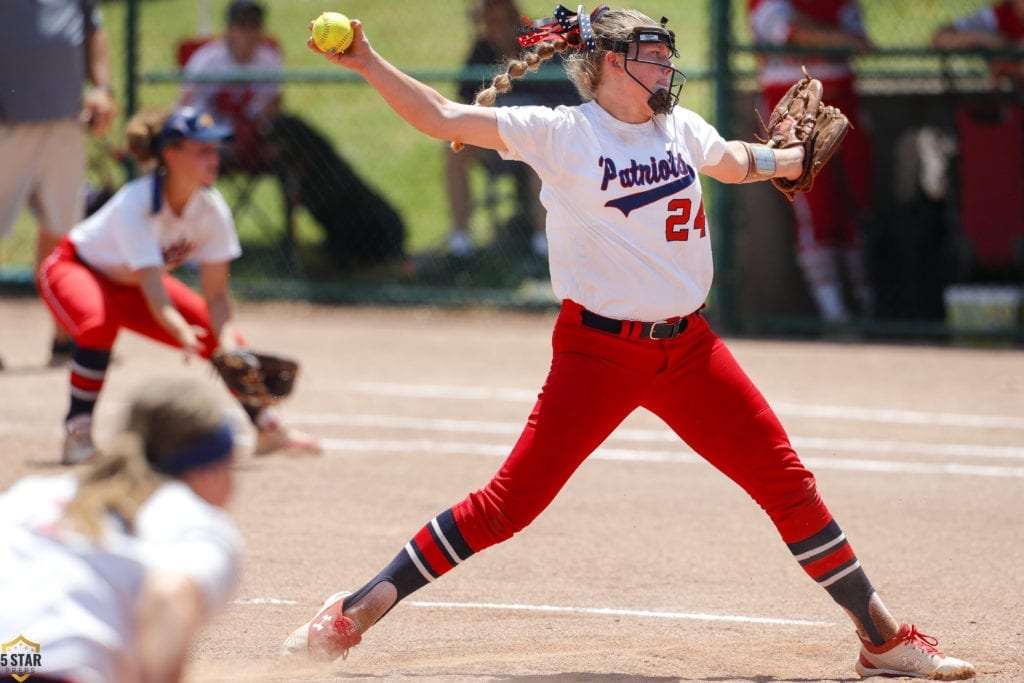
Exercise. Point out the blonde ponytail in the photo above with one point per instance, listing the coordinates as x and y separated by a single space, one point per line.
142 131
164 418
514 68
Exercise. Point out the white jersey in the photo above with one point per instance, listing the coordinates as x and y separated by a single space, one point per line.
75 598
627 236
125 235
215 57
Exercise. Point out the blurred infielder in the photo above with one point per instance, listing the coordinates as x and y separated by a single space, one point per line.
112 272
112 574
631 261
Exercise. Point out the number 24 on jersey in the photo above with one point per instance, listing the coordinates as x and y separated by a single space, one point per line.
677 225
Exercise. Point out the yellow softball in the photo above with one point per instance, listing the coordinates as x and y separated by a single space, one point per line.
332 32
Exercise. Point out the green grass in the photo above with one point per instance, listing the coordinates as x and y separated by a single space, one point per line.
416 35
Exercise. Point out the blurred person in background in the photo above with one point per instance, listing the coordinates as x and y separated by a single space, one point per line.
990 187
360 225
48 50
497 25
113 270
997 26
829 220
113 571
250 108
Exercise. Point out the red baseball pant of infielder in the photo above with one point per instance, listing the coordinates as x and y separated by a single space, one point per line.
94 309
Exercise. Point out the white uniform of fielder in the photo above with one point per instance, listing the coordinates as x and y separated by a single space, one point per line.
76 598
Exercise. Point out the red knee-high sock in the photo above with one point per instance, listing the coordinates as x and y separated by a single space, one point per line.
88 372
436 549
828 559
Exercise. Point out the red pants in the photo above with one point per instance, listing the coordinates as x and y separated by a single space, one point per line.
94 308
830 214
692 382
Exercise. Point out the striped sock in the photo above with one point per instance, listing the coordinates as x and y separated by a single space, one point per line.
437 548
88 370
828 559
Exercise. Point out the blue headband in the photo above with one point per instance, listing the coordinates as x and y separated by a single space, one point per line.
215 446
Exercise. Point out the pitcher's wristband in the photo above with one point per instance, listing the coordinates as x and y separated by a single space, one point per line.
760 163
764 160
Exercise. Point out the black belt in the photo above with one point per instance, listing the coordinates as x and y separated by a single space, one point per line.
633 328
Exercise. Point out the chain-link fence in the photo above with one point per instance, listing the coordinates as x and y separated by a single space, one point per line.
940 244
362 207
374 199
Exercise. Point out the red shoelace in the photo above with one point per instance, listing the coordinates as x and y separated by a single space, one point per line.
345 636
922 640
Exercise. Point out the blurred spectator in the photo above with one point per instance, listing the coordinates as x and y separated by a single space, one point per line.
114 571
47 51
497 23
360 226
250 107
998 26
829 220
991 186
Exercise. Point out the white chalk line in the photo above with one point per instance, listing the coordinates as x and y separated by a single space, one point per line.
419 446
827 447
553 609
831 412
607 611
264 601
660 435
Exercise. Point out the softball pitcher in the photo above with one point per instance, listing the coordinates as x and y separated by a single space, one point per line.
114 572
112 271
630 254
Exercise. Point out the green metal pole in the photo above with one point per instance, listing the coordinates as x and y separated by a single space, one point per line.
721 73
131 69
131 72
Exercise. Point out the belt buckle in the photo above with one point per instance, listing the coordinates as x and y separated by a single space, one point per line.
654 326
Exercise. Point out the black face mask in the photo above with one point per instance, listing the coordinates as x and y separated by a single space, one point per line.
661 100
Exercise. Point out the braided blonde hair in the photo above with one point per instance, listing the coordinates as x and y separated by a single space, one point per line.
582 67
530 60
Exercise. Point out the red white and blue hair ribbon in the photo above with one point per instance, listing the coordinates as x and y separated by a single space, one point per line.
573 28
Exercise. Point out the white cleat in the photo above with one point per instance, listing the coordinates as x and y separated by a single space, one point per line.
327 636
912 654
78 445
